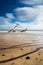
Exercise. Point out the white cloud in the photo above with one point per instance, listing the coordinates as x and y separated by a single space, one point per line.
30 26
3 20
26 13
36 26
32 2
5 24
10 15
31 13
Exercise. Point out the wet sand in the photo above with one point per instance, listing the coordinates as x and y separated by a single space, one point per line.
21 48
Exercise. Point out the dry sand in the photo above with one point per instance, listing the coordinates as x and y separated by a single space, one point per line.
21 48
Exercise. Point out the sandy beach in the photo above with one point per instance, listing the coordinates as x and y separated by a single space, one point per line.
21 48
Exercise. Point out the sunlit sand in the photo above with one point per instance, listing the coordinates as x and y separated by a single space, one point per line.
21 48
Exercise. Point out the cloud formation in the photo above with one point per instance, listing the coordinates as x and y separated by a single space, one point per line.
3 20
26 13
31 2
28 17
34 13
10 15
30 26
5 24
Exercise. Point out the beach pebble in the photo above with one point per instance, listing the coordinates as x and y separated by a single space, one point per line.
3 54
36 58
22 48
27 57
38 54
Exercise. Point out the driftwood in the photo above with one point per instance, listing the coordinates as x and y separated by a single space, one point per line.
14 28
24 30
11 30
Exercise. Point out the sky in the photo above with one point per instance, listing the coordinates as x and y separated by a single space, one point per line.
28 13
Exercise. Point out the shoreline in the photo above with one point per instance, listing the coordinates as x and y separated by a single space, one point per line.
30 32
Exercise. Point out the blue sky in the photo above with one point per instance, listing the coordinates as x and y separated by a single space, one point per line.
28 13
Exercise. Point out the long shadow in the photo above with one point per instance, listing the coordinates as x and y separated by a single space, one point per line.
14 58
21 45
16 46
